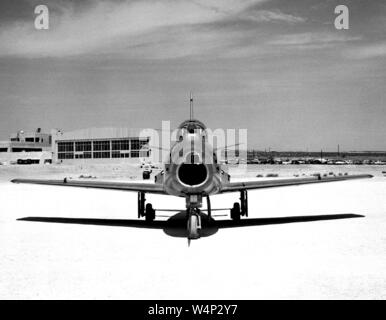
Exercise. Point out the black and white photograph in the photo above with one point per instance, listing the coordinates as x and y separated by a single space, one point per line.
192 150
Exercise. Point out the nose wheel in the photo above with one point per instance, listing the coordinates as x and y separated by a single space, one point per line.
194 224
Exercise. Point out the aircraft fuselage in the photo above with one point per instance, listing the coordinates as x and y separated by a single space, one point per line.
192 167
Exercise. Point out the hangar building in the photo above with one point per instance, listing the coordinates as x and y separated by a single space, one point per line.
100 145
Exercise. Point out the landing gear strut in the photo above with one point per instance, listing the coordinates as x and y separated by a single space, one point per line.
145 209
244 202
240 209
141 204
209 207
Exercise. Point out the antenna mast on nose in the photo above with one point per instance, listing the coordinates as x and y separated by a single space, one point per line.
191 106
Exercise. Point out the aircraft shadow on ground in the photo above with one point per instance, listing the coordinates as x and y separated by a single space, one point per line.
176 225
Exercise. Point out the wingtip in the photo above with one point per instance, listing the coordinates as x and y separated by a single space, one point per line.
15 181
354 215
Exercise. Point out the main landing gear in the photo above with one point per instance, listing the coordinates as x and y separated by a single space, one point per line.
240 209
145 209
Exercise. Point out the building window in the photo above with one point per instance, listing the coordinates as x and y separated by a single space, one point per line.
65 147
102 149
137 144
115 145
26 149
144 143
144 154
65 155
83 146
101 145
37 139
120 145
29 139
134 154
134 144
84 155
100 155
117 154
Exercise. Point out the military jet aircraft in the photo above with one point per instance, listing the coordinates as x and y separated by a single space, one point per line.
193 173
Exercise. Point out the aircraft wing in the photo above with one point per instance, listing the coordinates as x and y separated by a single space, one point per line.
247 185
124 186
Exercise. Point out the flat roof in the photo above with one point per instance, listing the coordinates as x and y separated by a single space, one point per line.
99 133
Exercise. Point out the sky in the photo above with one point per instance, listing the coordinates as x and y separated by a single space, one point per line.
278 68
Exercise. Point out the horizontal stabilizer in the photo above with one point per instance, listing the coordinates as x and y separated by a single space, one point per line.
179 221
100 222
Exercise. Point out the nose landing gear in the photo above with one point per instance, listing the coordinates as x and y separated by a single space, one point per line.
193 203
194 224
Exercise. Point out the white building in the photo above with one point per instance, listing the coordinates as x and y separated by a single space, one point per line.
27 146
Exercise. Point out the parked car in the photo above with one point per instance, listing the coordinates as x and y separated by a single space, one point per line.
24 161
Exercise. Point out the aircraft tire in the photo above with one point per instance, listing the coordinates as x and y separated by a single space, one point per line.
236 212
149 212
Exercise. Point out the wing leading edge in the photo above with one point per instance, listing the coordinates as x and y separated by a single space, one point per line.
158 188
123 186
247 185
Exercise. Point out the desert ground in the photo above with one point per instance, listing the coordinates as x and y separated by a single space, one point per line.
338 259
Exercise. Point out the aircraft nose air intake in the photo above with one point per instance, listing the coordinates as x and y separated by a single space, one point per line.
192 174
